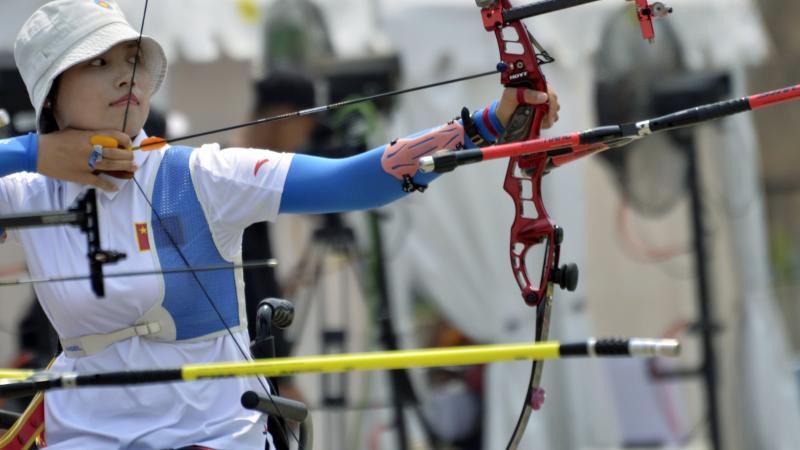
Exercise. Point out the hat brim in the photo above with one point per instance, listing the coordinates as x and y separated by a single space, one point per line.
99 42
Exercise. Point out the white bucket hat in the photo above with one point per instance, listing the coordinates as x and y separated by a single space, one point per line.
63 33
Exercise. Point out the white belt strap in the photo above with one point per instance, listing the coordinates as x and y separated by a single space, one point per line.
96 343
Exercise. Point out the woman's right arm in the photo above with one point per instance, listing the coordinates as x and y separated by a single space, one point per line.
64 155
18 154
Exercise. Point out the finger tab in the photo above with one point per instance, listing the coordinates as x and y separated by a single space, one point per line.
104 141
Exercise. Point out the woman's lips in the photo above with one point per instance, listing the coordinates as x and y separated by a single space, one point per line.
125 99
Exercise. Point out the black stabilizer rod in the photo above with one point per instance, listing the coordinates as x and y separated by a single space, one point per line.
698 114
539 8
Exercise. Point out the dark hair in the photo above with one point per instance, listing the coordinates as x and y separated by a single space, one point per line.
47 119
284 87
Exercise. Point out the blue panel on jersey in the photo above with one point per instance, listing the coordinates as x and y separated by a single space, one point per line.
184 224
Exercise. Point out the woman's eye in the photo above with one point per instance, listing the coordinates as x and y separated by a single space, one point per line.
135 59
97 62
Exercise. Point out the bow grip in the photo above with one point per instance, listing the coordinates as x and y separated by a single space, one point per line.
524 124
526 121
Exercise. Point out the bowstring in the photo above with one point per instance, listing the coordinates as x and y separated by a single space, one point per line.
263 381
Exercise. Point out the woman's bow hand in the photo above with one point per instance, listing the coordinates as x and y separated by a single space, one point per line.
513 97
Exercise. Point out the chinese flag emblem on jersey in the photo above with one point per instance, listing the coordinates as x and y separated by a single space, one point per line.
142 236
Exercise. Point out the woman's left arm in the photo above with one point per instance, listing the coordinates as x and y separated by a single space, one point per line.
387 173
367 180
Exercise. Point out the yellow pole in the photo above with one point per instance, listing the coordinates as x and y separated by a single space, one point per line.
14 374
453 356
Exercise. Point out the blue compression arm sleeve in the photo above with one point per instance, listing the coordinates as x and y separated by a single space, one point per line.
322 185
19 154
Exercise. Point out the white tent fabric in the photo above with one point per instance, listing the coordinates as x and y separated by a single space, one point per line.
194 30
769 397
201 31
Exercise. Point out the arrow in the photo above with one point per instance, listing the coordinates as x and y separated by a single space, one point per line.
387 360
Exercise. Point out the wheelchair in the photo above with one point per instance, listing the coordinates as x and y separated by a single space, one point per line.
20 431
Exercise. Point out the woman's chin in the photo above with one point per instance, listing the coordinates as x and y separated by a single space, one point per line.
133 130
133 123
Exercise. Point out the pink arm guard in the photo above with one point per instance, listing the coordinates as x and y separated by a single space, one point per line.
401 156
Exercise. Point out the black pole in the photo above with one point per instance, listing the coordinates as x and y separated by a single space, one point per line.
670 96
399 379
704 300
402 390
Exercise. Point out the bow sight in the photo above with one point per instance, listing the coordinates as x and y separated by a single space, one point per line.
83 215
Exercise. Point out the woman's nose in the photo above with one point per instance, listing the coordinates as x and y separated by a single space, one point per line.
125 80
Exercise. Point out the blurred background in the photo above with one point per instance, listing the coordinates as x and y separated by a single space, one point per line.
693 234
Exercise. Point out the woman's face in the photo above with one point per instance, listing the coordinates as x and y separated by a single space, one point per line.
93 95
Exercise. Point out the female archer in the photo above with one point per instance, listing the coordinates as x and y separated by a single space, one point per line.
89 74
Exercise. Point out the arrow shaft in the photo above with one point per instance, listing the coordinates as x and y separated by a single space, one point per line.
388 360
569 147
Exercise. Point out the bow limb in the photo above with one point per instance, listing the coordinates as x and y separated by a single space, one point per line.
531 226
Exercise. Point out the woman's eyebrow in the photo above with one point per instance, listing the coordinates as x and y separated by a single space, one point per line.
132 46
